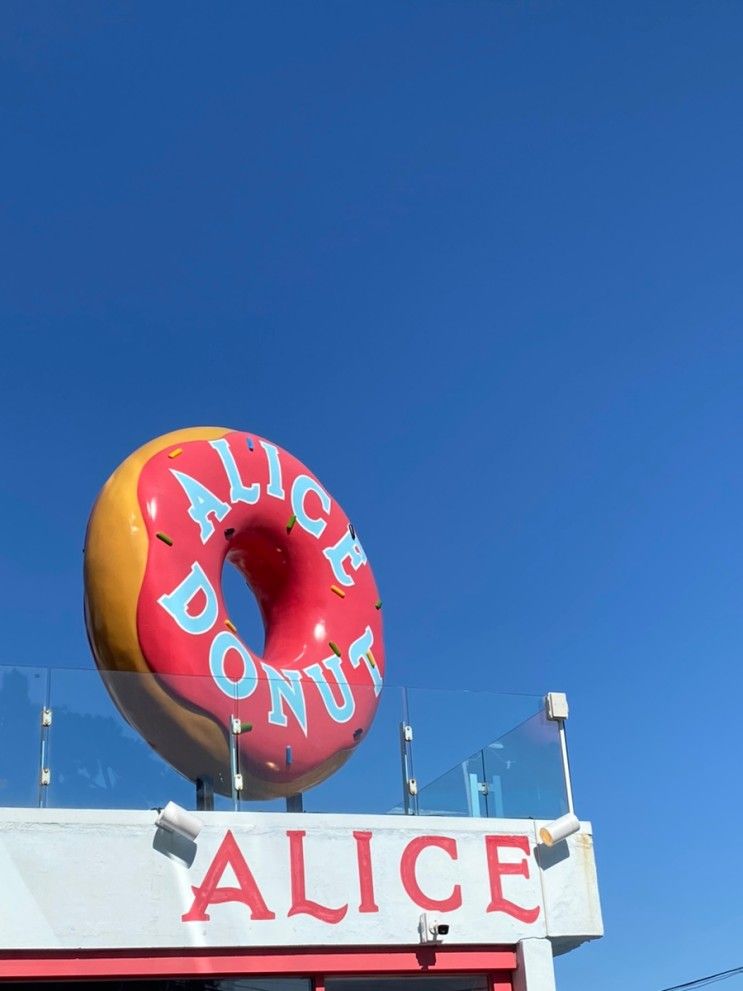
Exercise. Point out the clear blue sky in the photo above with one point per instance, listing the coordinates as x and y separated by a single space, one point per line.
479 266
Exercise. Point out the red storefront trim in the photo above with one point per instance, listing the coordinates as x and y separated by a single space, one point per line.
498 962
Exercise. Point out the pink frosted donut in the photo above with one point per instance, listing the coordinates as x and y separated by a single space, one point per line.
158 538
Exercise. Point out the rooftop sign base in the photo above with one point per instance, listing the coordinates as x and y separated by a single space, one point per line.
265 880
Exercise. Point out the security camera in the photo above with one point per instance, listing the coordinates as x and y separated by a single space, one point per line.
176 820
431 930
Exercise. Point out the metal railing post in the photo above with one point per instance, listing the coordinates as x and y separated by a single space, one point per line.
556 707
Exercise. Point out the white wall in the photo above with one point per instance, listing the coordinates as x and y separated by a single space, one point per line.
95 879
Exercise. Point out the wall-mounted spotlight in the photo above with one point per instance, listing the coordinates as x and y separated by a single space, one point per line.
431 930
558 830
176 820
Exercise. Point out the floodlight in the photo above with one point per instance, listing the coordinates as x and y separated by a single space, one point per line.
558 830
176 820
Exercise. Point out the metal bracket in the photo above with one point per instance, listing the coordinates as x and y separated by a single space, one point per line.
205 794
409 784
45 773
236 728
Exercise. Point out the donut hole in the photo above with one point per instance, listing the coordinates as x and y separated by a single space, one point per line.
244 612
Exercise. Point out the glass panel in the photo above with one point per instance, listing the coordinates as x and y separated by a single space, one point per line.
22 698
459 792
246 709
97 759
371 779
524 774
449 725
518 775
219 779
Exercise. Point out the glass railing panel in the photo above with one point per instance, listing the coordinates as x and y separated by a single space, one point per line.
459 792
450 725
193 694
524 772
252 713
23 693
96 758
370 781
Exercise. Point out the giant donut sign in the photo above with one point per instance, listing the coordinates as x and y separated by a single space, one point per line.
158 537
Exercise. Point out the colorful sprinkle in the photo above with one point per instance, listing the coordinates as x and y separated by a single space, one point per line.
175 452
230 625
246 727
352 531
229 532
371 658
338 591
334 647
290 524
250 443
165 539
357 733
288 756
378 604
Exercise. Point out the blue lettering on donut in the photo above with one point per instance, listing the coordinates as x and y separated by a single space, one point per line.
357 653
347 547
302 485
239 492
286 686
338 712
176 602
203 502
274 487
246 684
